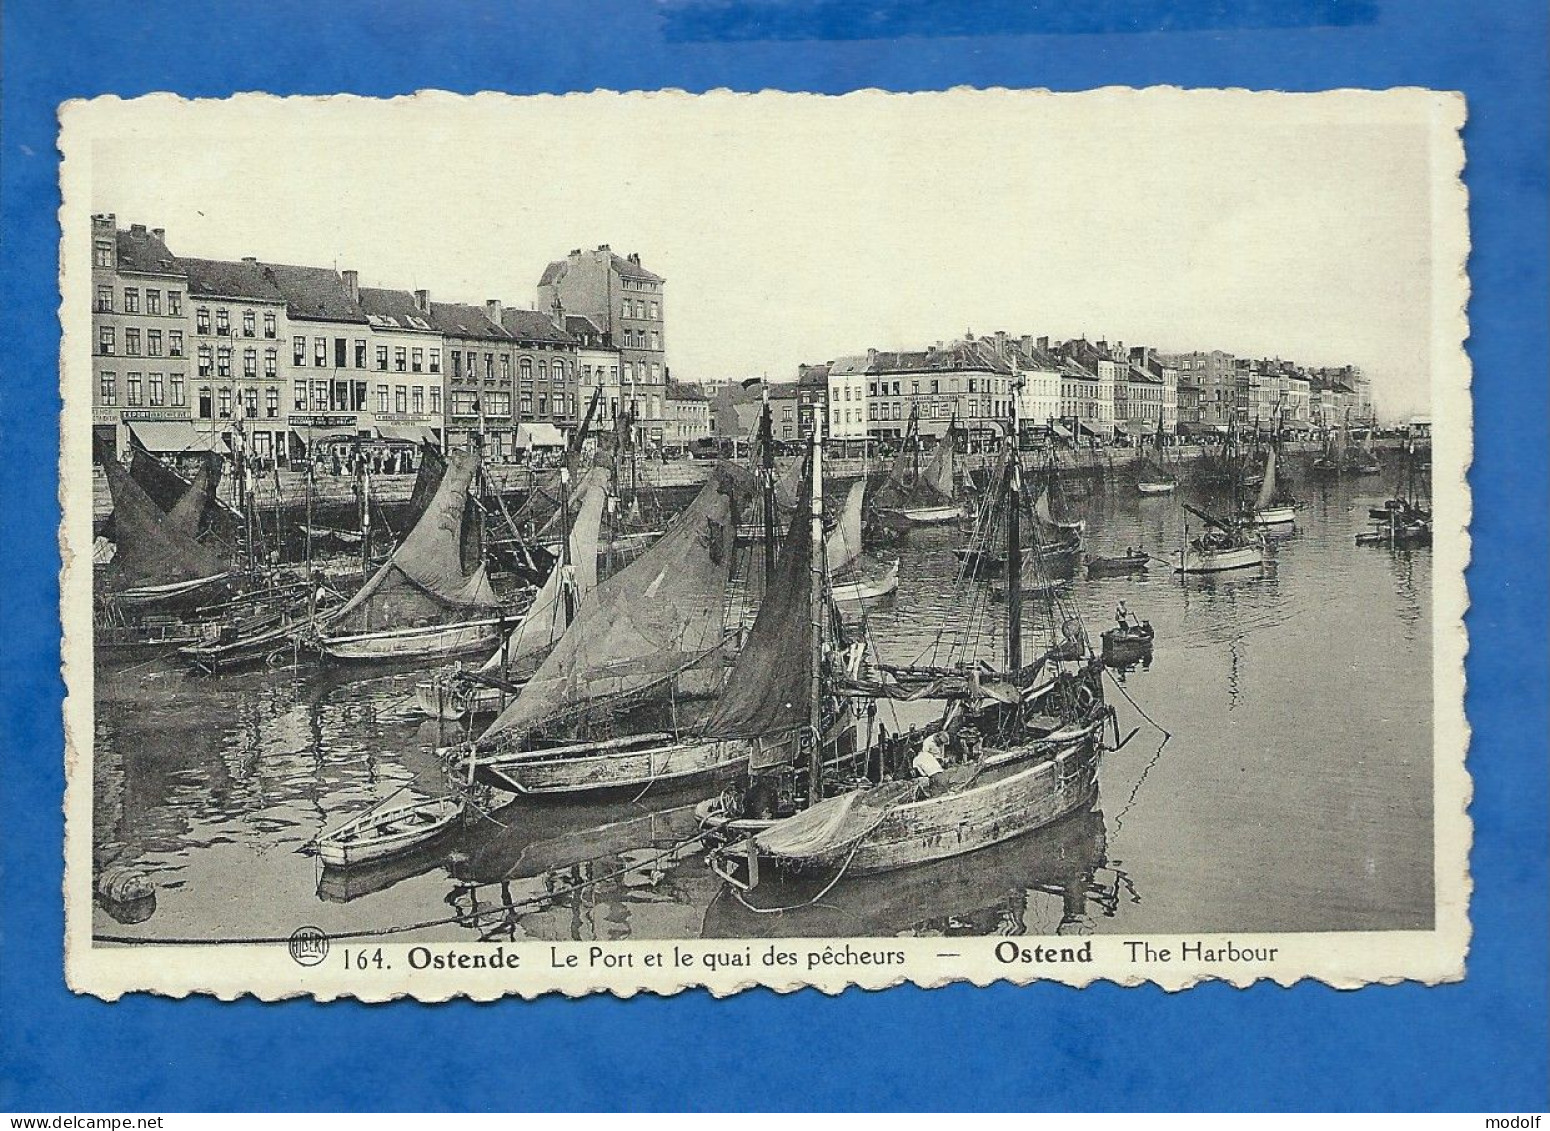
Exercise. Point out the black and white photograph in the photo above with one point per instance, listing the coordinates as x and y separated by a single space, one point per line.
626 542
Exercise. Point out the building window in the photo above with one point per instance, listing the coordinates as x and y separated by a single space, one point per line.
320 352
656 340
131 300
131 341
158 391
269 328
249 329
435 361
626 310
134 390
360 353
382 358
416 360
543 405
524 369
108 389
176 382
174 343
419 398
205 361
223 361
250 362
559 370
298 350
205 404
435 400
271 361
320 395
505 367
382 399
656 372
401 399
298 396
400 359
272 402
153 343
653 310
175 303
527 405
102 253
225 399
464 403
543 370
489 366
105 300
341 353
222 321
250 402
499 404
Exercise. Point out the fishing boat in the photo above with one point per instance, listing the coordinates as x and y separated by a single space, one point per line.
159 565
384 833
1022 747
912 497
1153 476
1333 460
856 576
1126 643
1363 460
1130 562
1226 544
1406 519
618 701
1273 505
487 688
432 598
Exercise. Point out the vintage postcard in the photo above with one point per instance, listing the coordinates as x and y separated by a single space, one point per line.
635 542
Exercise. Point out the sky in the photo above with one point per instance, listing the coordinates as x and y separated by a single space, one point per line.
797 228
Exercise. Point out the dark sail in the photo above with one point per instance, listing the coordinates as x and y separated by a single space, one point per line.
152 547
656 617
767 690
425 581
433 465
216 521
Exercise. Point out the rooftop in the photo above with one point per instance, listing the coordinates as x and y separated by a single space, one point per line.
141 249
223 278
533 326
386 309
462 320
314 292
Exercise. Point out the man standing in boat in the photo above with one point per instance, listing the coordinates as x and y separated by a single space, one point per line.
929 762
1122 616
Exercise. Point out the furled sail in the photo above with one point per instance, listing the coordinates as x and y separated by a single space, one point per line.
188 511
767 689
425 581
843 544
153 547
433 465
546 619
787 486
654 618
1267 489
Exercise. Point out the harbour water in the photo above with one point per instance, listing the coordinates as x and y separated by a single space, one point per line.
1294 793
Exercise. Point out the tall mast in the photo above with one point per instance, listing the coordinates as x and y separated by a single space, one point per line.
565 558
365 474
1014 549
816 611
767 473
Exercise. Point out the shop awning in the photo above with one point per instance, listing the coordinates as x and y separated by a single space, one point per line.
1062 431
539 435
1086 431
405 433
317 436
1122 429
168 436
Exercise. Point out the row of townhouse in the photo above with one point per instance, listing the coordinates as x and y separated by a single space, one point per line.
1217 389
190 352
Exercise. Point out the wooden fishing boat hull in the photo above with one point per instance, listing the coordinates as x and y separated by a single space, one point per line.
867 588
1117 567
270 645
1195 560
427 642
1406 534
172 594
926 516
1157 488
445 699
596 768
1275 516
393 832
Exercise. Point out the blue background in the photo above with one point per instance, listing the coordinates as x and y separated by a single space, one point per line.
1480 1045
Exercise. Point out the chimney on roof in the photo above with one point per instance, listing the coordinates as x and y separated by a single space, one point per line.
137 230
159 233
492 310
634 258
871 355
250 259
422 301
1043 342
352 284
575 253
603 247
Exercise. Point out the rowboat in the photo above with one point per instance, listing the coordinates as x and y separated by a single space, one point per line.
381 833
1118 566
867 586
423 642
1123 645
1155 486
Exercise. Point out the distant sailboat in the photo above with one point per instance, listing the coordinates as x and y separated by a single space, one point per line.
1272 506
920 498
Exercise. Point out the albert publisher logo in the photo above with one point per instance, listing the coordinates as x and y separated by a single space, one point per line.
308 946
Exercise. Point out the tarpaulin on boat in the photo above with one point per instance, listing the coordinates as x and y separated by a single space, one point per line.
426 579
153 547
546 619
767 691
658 616
832 826
433 465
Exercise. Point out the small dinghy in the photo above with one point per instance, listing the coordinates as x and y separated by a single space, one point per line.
1124 645
1134 562
382 833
